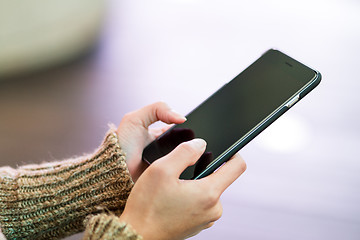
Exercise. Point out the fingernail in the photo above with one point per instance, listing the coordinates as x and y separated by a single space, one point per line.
178 114
198 143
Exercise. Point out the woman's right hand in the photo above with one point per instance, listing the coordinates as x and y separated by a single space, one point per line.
161 206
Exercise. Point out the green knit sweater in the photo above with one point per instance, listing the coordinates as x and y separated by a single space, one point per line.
54 200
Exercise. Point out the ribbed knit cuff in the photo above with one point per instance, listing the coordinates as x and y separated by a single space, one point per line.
51 201
109 227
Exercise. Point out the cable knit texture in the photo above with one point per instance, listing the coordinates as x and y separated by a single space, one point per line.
109 227
51 200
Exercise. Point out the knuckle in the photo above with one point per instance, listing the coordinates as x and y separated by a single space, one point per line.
159 105
218 211
215 212
157 110
214 215
213 198
210 198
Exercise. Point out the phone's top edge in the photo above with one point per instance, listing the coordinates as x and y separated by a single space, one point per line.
318 74
302 92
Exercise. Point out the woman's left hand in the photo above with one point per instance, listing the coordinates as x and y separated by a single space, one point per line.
134 133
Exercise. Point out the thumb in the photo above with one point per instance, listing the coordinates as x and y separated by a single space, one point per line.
183 156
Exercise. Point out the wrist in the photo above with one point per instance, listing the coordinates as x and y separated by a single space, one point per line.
144 228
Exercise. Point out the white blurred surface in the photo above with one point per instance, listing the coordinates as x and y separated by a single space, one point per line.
38 34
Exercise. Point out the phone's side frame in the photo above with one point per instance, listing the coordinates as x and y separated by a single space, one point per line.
260 127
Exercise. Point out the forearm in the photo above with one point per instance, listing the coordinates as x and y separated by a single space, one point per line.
51 201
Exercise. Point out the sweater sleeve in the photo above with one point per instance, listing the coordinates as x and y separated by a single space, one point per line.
109 227
52 200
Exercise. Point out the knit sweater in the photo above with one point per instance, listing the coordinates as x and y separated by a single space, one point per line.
54 200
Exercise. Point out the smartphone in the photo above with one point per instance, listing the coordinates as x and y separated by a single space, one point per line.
238 112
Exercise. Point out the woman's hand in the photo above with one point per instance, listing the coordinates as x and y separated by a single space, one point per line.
161 206
134 133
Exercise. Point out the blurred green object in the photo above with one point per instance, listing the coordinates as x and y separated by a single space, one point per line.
38 34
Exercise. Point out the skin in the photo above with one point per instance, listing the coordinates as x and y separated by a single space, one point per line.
161 206
134 133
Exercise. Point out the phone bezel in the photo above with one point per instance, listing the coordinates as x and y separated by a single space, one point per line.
227 154
264 123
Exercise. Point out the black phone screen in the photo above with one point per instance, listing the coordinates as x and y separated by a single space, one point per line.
235 109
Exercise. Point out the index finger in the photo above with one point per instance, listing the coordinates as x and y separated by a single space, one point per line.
159 111
227 173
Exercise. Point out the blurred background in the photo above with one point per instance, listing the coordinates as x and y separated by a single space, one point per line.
68 68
